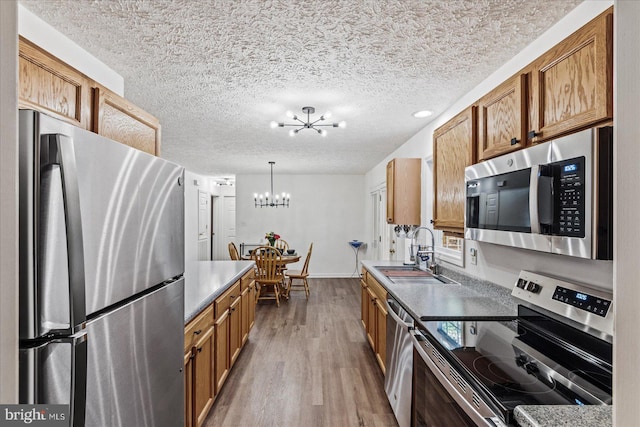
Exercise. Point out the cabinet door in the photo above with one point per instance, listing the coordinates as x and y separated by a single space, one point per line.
221 349
454 146
381 334
188 389
235 330
390 191
252 304
403 191
244 311
503 119
572 83
46 84
120 120
203 382
371 318
364 304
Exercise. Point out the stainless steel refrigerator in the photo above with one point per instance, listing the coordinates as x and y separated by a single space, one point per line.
101 277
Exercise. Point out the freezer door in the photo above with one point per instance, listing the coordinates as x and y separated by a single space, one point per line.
54 372
52 275
135 362
132 221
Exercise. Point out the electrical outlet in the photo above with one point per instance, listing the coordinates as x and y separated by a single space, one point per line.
474 256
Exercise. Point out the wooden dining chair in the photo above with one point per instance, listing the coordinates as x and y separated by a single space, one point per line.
282 245
268 273
300 275
233 252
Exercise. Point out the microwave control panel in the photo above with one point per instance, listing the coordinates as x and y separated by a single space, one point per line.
570 200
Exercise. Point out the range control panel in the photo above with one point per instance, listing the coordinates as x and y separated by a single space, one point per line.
579 303
582 300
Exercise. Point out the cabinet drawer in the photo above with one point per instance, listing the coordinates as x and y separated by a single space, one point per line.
247 280
377 288
198 326
223 302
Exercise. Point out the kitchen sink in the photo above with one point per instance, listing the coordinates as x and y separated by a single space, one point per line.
406 274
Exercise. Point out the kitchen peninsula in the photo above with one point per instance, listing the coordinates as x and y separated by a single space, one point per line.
219 300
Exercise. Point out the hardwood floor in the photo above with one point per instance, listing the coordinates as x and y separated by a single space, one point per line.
307 363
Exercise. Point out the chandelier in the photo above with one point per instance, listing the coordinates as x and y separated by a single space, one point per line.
313 125
269 199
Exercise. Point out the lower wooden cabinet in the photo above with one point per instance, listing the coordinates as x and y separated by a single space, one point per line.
203 385
374 316
213 341
222 349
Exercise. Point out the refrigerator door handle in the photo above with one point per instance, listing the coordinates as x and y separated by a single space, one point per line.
79 380
58 150
55 372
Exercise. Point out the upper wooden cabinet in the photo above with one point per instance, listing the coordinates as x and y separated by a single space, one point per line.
120 120
403 191
454 148
503 119
48 85
572 84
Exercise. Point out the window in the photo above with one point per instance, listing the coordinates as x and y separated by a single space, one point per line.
453 332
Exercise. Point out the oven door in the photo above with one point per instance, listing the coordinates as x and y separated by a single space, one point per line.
441 397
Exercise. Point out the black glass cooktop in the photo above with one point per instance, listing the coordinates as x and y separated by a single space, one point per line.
531 360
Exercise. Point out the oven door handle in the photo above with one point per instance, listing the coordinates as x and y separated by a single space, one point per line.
487 419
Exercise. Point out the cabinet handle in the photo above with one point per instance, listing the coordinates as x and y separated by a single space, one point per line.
389 219
233 296
200 349
198 332
532 134
514 141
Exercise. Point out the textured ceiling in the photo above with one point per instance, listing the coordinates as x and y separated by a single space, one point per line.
217 72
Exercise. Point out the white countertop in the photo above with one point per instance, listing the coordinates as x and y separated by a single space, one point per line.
207 280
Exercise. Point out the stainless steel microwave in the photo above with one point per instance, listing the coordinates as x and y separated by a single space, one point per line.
554 197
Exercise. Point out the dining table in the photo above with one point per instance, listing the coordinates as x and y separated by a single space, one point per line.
284 260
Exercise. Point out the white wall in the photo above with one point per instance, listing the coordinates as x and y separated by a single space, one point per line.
325 209
496 263
9 205
626 345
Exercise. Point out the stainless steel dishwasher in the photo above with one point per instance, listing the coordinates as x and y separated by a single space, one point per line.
399 363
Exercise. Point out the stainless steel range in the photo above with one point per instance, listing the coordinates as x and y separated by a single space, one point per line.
558 351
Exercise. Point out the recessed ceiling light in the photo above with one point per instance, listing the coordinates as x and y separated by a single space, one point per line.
422 114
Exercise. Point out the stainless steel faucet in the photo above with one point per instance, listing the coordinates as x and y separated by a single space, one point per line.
433 266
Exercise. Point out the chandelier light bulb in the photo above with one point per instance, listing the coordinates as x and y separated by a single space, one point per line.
327 115
273 124
290 114
323 132
293 132
342 124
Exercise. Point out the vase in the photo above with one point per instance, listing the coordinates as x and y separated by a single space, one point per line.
272 242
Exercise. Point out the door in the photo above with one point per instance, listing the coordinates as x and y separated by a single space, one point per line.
204 215
381 230
135 360
229 219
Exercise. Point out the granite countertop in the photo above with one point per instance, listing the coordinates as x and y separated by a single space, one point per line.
563 415
470 299
207 280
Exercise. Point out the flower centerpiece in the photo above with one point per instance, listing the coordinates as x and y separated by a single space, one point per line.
272 237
